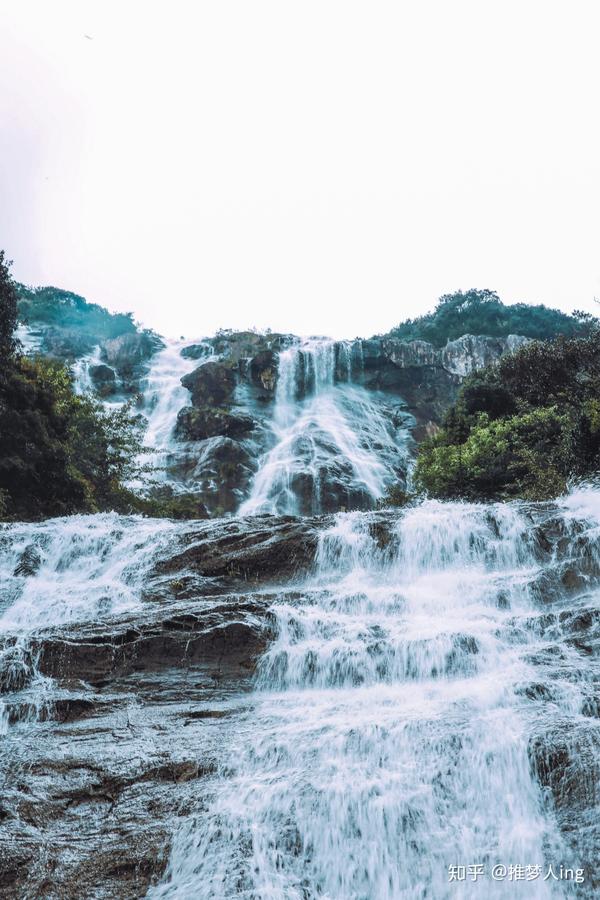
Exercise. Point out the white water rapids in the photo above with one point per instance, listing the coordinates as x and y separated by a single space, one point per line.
387 738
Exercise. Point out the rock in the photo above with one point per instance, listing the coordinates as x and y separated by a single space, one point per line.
256 549
408 354
211 384
223 637
141 709
221 470
195 424
29 561
197 351
263 370
129 354
240 345
565 758
128 350
66 344
104 379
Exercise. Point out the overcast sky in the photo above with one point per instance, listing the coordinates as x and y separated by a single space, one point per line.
322 167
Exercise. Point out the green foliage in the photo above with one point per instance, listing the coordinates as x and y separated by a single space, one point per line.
521 428
519 456
53 306
8 310
163 502
482 312
61 453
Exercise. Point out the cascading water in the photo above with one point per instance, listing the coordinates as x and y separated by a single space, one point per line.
76 568
29 339
387 738
334 443
82 382
58 572
164 396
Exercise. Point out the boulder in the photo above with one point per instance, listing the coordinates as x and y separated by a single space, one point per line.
128 351
211 384
197 351
66 344
104 379
198 424
263 370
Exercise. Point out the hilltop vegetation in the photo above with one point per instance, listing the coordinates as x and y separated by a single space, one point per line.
59 453
482 312
55 307
521 428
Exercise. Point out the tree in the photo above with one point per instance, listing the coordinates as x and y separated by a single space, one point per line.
8 310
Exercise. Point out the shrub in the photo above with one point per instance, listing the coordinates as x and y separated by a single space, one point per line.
521 428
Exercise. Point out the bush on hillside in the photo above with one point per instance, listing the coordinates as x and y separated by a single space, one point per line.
522 427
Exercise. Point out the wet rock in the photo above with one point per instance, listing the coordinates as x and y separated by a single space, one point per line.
29 562
104 380
197 351
260 548
240 345
129 355
16 666
66 344
263 370
221 470
211 384
198 424
219 640
565 758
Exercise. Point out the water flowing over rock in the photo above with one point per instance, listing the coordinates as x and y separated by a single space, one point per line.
128 355
335 446
338 706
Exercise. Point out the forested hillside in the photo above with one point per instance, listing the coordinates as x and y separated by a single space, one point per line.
59 453
482 312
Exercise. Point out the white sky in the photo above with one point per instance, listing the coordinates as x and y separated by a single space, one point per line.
320 167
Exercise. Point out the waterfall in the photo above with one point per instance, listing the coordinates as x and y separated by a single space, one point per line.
164 396
387 736
82 383
334 443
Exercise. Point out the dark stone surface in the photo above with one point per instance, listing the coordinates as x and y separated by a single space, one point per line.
194 424
104 380
129 356
211 384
